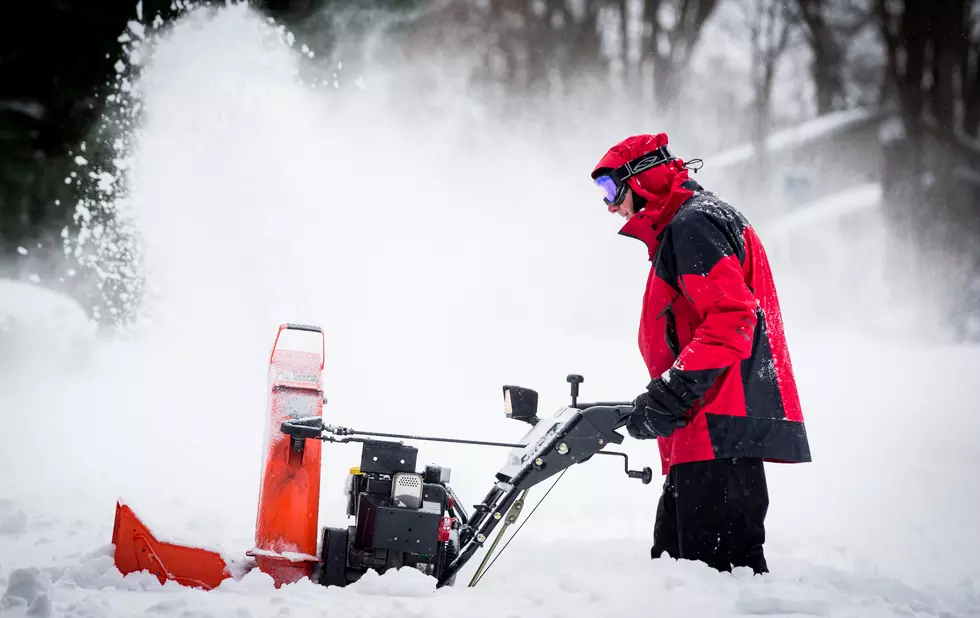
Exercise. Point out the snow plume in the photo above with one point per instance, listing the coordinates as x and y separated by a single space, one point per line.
103 242
261 197
444 254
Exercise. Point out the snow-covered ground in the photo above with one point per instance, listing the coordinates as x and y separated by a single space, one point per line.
437 278
882 523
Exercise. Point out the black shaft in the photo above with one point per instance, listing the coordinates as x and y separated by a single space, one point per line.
605 404
431 439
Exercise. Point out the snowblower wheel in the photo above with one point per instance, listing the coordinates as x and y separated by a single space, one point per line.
333 557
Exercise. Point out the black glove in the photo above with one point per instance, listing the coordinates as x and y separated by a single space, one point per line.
657 412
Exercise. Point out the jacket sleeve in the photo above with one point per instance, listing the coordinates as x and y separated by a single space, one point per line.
707 262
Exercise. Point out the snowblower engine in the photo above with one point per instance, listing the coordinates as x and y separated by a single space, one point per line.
402 517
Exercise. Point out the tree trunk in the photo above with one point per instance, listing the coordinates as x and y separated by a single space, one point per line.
948 37
670 60
971 92
827 79
935 211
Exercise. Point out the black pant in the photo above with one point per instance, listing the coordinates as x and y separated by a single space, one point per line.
714 511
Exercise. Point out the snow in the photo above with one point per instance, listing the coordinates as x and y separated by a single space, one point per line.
27 590
820 127
262 201
29 108
12 519
827 210
39 325
292 556
137 29
891 130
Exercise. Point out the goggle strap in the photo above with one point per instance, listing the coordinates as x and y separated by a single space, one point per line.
641 164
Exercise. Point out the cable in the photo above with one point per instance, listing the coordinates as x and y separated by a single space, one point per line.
520 526
347 431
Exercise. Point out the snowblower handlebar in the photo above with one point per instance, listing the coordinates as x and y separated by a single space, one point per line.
552 445
572 436
615 416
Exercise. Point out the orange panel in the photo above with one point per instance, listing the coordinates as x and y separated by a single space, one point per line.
138 550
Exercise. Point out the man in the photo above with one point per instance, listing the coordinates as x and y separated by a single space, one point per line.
722 397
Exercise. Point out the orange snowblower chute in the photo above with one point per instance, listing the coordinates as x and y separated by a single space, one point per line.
289 498
289 493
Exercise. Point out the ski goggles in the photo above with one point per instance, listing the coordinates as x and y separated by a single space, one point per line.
613 184
613 193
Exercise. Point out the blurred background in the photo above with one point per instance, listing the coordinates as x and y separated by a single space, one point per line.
841 109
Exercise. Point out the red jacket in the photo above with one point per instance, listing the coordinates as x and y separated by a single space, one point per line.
711 321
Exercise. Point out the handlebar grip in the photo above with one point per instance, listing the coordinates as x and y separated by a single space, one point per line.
625 410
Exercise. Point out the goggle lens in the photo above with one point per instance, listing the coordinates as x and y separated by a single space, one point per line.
609 189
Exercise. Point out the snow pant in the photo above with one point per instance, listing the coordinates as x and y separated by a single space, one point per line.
714 512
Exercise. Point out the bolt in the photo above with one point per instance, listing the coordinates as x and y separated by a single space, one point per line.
562 448
481 538
538 461
601 441
496 515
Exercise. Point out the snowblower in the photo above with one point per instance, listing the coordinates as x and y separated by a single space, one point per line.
402 517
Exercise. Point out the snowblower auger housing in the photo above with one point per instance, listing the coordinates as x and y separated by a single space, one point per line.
402 517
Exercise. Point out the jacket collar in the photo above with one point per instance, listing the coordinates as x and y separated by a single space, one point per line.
644 228
648 224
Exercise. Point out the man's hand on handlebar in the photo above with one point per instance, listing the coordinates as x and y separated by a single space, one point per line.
655 414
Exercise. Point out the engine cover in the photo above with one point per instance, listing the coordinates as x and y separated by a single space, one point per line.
383 457
399 529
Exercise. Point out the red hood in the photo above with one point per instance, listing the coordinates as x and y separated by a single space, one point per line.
660 186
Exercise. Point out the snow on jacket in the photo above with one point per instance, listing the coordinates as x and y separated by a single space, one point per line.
711 323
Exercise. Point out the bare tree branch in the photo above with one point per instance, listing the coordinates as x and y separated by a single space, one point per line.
669 49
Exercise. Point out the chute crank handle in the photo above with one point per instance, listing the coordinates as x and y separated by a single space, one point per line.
645 475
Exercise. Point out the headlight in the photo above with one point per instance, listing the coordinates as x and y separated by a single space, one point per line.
521 403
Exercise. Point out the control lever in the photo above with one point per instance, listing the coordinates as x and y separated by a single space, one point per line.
303 428
575 380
